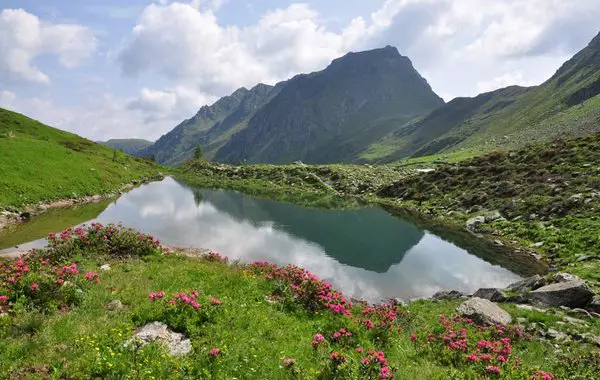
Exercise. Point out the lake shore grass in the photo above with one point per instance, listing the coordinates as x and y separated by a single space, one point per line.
244 321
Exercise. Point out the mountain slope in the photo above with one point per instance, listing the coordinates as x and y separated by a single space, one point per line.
566 104
211 127
39 162
129 146
332 115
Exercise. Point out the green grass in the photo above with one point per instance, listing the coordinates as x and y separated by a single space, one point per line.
40 163
255 335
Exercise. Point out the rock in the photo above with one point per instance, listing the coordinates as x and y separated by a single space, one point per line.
499 243
493 216
537 245
565 277
473 223
115 305
299 163
581 312
571 294
574 321
531 308
527 284
176 343
484 312
522 321
575 198
491 294
105 267
556 335
448 295
580 258
25 215
595 340
594 305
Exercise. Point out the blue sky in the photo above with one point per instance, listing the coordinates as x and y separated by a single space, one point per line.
137 68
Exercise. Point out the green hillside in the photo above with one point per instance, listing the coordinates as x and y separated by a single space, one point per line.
129 146
567 104
39 162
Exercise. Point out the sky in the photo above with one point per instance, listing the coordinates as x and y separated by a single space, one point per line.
137 68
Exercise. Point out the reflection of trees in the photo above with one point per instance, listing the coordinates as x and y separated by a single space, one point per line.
368 238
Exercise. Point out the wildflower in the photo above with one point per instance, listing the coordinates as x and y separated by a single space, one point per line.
91 276
215 301
34 287
368 324
366 360
214 352
317 339
289 363
541 375
337 358
359 349
153 296
492 369
3 299
472 358
413 337
501 359
385 373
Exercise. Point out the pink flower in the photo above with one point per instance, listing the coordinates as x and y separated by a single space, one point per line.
472 358
501 359
34 287
368 324
3 299
317 339
359 349
413 337
215 301
214 352
541 375
289 363
385 373
91 276
492 369
153 296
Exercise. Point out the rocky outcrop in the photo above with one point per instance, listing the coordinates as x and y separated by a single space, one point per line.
572 294
594 305
176 343
448 295
491 294
527 284
484 312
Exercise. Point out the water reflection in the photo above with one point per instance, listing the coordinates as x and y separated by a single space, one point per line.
366 253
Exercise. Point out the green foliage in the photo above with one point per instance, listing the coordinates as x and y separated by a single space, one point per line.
40 163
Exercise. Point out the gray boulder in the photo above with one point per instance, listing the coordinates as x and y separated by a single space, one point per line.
572 294
484 312
491 294
448 295
565 277
594 305
473 223
176 343
527 284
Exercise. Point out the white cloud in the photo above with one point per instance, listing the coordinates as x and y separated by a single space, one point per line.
508 79
23 37
168 104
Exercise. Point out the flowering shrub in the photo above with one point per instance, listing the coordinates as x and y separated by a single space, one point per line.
183 311
214 256
96 239
37 284
304 288
375 366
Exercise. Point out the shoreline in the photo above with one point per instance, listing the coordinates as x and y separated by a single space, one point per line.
11 218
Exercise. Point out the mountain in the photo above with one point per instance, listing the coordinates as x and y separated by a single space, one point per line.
129 146
41 163
212 125
566 104
332 115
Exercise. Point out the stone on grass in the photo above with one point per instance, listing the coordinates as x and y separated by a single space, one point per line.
176 343
594 305
573 294
565 277
492 294
556 335
484 312
447 295
115 305
473 223
105 267
527 284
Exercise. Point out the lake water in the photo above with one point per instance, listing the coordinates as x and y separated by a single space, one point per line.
364 252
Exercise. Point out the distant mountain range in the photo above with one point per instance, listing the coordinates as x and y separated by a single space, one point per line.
373 106
129 146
